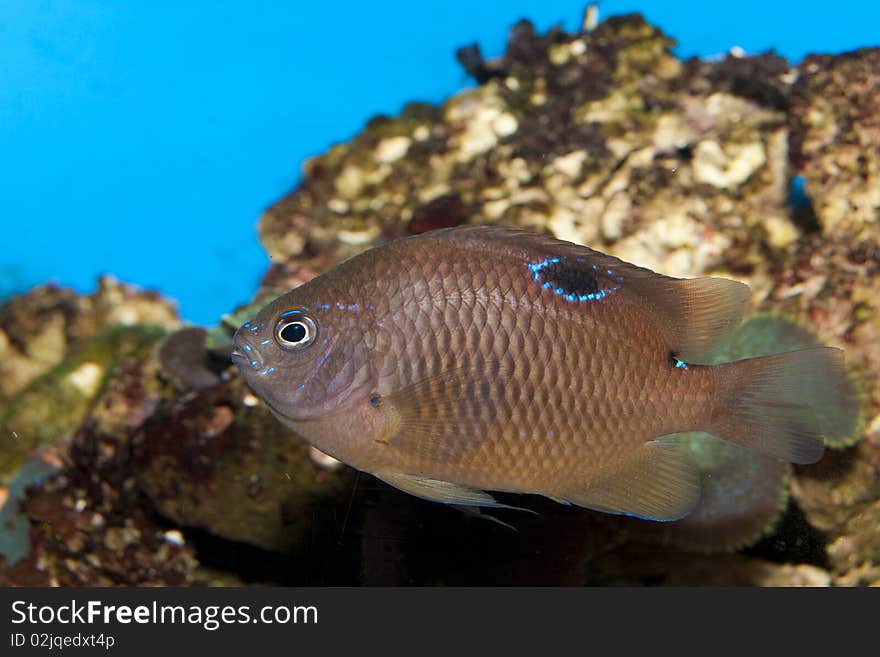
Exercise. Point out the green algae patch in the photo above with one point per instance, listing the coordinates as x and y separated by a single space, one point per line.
52 406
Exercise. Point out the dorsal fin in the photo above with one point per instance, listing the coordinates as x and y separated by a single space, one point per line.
696 313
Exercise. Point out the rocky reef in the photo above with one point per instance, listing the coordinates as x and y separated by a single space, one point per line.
132 453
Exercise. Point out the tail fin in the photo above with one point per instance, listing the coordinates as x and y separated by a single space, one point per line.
785 404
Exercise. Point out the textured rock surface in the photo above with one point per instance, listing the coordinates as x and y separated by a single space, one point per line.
218 460
63 356
121 428
602 138
835 133
835 281
38 328
161 468
84 377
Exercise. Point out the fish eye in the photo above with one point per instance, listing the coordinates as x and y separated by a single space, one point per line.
295 331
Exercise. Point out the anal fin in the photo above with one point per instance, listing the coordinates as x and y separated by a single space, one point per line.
656 482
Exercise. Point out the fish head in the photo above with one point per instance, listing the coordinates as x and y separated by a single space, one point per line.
306 354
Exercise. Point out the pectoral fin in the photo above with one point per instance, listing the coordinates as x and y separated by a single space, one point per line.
656 482
442 416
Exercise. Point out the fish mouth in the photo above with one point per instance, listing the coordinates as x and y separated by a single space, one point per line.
245 355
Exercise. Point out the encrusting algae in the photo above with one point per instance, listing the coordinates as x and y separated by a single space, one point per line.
145 459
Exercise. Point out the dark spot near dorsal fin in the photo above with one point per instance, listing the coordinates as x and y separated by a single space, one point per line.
578 280
575 279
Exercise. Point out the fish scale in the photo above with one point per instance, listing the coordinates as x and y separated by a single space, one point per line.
559 383
483 358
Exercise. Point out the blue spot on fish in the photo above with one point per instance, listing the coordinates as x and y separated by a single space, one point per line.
266 341
269 371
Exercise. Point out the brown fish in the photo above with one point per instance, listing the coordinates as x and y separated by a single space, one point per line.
488 358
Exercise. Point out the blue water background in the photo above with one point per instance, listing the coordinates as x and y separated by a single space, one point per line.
143 139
